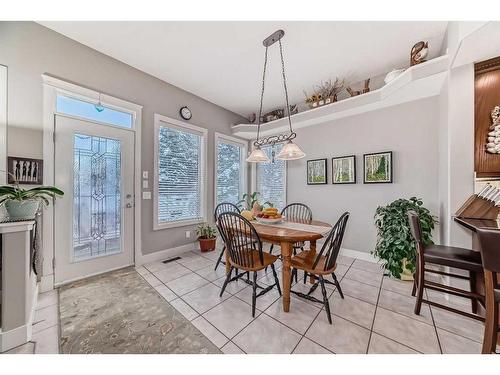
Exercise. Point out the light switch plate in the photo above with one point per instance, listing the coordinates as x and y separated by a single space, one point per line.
145 174
146 195
145 184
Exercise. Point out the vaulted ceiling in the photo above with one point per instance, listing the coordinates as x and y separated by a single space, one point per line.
222 61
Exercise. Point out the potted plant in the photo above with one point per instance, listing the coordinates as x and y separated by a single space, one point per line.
207 236
395 244
23 204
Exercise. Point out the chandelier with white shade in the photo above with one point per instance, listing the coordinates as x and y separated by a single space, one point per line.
289 151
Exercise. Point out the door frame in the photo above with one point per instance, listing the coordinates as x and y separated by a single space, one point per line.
53 86
3 123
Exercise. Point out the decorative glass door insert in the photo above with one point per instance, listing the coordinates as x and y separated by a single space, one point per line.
97 214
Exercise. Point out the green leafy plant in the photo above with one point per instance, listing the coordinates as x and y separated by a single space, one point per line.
206 231
16 193
249 200
395 242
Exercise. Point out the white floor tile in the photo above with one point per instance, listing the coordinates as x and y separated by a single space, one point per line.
383 345
183 308
341 337
210 332
353 309
47 299
204 298
165 292
231 316
45 318
307 346
186 283
231 348
300 316
173 272
47 341
454 344
266 335
151 279
366 277
413 333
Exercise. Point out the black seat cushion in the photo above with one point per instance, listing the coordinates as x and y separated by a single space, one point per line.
456 257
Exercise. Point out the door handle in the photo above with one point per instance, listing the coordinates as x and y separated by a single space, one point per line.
128 205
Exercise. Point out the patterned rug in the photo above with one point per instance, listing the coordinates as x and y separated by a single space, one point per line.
119 312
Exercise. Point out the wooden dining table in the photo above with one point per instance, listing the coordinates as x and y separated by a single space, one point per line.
279 234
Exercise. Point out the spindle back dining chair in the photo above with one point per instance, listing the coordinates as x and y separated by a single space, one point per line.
298 212
322 264
489 244
244 247
221 208
455 257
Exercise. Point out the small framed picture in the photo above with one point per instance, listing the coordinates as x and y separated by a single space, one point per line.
24 171
316 172
344 170
378 168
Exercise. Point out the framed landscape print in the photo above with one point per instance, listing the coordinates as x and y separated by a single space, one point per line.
25 171
316 172
378 168
344 170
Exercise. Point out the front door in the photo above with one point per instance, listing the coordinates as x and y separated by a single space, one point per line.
94 221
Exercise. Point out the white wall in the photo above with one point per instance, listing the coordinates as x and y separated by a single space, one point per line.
409 130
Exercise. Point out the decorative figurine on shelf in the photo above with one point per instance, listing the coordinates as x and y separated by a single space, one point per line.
273 115
325 93
252 118
359 92
493 144
418 53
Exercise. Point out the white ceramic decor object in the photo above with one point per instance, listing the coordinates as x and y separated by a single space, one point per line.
493 139
392 75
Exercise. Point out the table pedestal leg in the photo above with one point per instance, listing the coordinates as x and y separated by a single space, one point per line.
313 254
286 250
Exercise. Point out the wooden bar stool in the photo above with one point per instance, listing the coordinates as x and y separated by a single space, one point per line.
244 247
455 257
489 242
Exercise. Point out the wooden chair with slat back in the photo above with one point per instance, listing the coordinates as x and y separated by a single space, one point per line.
221 208
298 212
489 242
454 257
322 264
244 247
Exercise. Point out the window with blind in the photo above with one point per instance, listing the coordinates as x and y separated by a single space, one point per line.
230 175
180 170
271 179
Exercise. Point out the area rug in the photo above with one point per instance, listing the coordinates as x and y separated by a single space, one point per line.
119 312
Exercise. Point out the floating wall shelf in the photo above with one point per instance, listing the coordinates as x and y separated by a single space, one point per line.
417 82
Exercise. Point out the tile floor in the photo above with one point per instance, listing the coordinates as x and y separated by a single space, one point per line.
376 315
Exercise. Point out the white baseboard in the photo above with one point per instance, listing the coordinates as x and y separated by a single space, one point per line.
165 254
46 283
358 255
20 335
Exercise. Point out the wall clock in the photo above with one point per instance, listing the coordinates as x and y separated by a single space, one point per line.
185 113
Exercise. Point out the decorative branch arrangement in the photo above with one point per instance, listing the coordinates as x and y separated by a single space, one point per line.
359 92
325 93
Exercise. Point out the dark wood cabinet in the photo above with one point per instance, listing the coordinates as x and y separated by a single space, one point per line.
486 97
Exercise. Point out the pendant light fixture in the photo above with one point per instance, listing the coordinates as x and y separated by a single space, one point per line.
290 150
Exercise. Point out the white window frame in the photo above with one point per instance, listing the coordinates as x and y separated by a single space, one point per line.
254 178
243 165
164 121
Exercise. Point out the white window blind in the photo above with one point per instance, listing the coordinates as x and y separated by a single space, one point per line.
230 171
180 175
271 179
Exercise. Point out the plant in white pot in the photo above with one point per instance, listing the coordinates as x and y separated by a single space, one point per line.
23 204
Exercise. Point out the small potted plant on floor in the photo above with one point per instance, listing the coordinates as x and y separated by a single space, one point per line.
207 236
23 204
395 244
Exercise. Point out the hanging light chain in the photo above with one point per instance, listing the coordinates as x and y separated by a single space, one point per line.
284 85
262 94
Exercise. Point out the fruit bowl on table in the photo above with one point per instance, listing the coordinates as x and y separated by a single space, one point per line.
274 220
